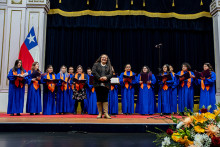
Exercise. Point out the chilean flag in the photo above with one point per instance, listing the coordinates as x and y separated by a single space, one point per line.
29 51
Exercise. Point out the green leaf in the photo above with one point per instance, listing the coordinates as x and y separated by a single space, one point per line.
217 119
174 119
209 107
188 133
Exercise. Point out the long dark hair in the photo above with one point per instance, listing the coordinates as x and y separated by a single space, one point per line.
187 65
210 66
33 67
148 69
15 68
113 70
109 65
168 69
48 66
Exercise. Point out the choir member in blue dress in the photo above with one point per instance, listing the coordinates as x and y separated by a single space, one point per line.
113 97
91 95
127 90
174 91
79 91
185 89
34 91
16 88
49 103
207 91
70 88
62 101
165 90
146 103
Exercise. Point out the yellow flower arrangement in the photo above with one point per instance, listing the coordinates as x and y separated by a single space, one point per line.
199 118
185 141
199 129
176 137
194 130
209 115
217 112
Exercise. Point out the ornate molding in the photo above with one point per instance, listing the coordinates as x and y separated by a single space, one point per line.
214 7
16 1
39 4
3 1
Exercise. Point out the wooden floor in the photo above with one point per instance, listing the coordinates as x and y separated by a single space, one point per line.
83 120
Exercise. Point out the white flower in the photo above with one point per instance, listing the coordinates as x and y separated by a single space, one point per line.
179 125
197 144
166 141
163 144
199 138
207 140
205 137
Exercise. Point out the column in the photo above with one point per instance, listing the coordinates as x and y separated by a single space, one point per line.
215 12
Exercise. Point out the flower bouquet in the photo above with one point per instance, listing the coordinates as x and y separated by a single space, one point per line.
194 130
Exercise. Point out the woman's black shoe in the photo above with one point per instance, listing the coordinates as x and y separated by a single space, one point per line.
60 113
12 114
37 113
31 113
18 114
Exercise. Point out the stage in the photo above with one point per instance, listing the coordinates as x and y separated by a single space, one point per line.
85 123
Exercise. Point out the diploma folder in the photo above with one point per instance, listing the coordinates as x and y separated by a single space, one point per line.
21 76
145 77
205 73
79 81
129 77
91 80
186 75
52 80
35 74
161 77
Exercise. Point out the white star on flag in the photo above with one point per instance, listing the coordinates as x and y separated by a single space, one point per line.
31 38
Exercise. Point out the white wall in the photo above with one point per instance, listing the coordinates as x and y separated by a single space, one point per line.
16 19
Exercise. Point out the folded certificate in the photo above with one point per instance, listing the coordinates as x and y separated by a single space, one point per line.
115 81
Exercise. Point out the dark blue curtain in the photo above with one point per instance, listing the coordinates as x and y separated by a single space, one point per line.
129 39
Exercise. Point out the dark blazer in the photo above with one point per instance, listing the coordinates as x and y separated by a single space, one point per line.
96 71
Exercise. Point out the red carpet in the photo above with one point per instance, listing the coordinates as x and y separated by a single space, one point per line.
4 115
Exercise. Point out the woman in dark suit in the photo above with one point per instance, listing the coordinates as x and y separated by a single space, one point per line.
102 71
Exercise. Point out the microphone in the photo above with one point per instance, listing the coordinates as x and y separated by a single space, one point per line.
158 45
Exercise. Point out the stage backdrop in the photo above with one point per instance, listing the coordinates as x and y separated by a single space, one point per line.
79 31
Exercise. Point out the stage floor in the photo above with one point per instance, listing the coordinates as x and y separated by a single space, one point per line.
87 119
84 123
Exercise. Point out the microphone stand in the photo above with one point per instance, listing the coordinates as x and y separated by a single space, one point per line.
159 46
